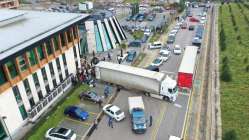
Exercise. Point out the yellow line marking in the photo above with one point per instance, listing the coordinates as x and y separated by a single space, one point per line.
84 123
158 122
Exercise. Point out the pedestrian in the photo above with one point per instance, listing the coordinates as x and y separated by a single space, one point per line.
150 120
100 104
106 91
110 122
95 124
109 56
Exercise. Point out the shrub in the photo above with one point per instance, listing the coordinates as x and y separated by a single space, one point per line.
247 68
245 60
230 135
226 73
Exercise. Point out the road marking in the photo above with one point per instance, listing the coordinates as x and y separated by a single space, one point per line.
178 105
158 122
84 123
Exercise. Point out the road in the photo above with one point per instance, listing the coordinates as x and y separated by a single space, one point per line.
168 118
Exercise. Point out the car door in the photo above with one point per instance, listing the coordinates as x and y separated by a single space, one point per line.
108 112
112 114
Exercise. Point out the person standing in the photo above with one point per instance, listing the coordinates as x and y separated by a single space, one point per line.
150 121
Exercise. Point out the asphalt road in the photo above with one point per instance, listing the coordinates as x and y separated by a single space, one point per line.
168 118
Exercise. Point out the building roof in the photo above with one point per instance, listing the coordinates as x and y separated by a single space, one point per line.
188 60
132 70
32 27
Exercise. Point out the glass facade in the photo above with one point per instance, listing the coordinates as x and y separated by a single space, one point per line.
2 132
2 76
44 74
40 96
12 68
63 40
56 43
69 36
51 68
32 102
27 87
36 81
17 94
23 112
49 47
22 63
31 56
40 52
58 64
64 59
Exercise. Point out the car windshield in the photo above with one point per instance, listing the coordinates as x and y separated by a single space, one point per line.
118 112
79 111
93 94
177 48
59 130
165 54
171 37
156 61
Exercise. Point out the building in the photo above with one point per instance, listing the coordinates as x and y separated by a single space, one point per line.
85 6
103 32
39 53
9 4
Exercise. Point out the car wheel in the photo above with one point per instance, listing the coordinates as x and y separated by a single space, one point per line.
166 98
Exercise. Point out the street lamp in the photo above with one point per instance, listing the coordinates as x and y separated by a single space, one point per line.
8 133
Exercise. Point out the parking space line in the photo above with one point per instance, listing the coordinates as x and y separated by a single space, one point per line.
84 123
158 122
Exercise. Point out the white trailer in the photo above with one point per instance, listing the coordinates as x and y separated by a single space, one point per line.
135 102
153 83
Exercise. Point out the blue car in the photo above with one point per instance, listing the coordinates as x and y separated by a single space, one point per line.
76 113
131 55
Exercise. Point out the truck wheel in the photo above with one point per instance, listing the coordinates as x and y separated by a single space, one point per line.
166 98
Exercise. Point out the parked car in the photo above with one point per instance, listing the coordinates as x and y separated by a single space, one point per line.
114 112
191 27
184 25
135 43
177 28
173 32
196 41
147 31
131 56
60 133
122 58
177 49
91 96
145 38
192 19
165 49
152 68
157 62
129 18
155 45
76 113
171 39
141 18
165 56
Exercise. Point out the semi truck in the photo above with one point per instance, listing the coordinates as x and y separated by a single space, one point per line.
136 110
155 84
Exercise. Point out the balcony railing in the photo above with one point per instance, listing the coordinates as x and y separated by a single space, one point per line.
41 106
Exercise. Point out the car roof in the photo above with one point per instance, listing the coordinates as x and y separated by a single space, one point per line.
114 108
60 130
177 46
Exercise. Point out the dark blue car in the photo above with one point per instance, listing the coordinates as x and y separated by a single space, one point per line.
76 113
131 55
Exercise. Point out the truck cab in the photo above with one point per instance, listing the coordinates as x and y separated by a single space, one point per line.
169 89
138 121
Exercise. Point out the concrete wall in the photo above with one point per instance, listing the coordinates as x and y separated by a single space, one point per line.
91 41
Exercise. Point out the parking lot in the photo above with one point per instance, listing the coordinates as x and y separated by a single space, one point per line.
168 118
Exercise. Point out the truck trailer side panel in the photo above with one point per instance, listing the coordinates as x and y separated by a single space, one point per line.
185 79
129 77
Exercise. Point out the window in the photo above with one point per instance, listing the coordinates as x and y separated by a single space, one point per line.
32 102
54 82
61 78
27 87
49 47
74 52
64 59
66 71
58 64
63 40
40 52
51 68
44 75
12 68
23 112
75 32
2 132
40 96
56 43
3 79
31 56
17 94
22 63
36 81
69 36
47 89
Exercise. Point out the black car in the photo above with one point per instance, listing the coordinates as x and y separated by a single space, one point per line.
191 27
152 68
91 96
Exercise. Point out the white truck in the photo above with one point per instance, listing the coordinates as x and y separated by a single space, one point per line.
136 110
155 84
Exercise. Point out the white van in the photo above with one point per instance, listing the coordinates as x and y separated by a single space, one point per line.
155 45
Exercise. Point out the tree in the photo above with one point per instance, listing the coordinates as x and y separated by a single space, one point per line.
230 135
226 73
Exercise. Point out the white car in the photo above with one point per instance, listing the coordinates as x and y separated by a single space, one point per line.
122 58
173 32
155 45
114 112
165 55
177 49
165 50
60 133
177 28
157 62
